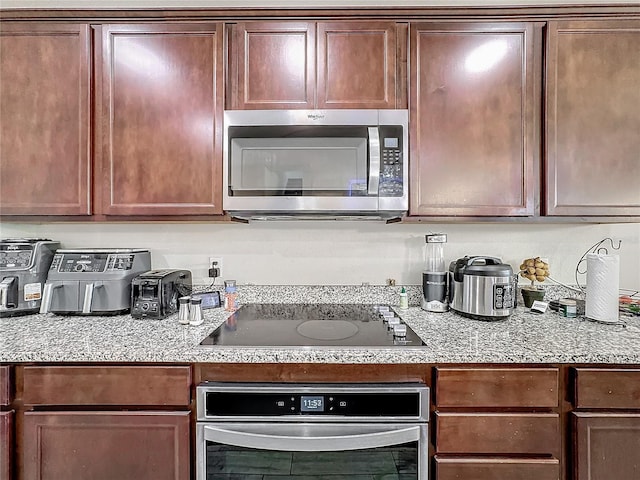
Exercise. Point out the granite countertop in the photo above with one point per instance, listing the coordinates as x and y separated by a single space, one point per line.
449 338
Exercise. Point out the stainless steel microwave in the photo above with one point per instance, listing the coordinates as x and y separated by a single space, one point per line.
315 164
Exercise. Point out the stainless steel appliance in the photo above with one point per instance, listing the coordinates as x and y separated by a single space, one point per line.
282 164
93 281
482 287
320 431
321 325
154 294
24 264
435 277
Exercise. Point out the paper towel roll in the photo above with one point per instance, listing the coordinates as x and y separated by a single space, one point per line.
603 282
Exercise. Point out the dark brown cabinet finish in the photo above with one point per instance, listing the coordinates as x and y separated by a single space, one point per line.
162 100
497 387
498 433
593 125
475 113
607 388
497 468
44 119
306 65
113 385
6 445
106 445
5 385
607 446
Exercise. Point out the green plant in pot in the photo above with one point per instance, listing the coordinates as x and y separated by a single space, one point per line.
535 270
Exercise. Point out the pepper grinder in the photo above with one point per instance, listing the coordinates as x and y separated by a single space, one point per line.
195 312
183 311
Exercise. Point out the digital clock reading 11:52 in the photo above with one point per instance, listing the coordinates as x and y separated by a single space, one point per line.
311 404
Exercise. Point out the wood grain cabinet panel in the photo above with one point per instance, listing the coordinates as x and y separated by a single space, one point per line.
606 446
6 445
106 446
498 433
44 119
593 100
273 65
474 121
356 65
162 101
497 387
308 65
114 385
5 385
493 468
606 388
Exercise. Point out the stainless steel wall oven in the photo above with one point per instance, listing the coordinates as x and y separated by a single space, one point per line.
267 431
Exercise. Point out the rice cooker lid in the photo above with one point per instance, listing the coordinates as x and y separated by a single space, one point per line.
480 266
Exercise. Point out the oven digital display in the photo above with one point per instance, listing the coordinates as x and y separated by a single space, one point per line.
311 404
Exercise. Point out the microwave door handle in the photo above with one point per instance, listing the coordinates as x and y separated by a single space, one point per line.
296 438
374 160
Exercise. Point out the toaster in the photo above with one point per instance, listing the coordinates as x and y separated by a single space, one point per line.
154 294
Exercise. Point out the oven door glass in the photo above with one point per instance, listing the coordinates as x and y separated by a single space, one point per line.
305 451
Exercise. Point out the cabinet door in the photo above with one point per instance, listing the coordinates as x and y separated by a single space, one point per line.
273 65
106 445
44 119
607 446
161 119
593 124
6 445
475 111
356 65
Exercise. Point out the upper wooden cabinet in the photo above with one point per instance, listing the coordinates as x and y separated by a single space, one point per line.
161 112
475 95
593 119
306 65
44 119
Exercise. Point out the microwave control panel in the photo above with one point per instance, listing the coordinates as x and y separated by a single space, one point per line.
391 164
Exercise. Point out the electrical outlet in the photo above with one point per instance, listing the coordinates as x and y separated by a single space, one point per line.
218 266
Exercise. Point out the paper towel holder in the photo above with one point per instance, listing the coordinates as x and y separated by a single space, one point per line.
598 248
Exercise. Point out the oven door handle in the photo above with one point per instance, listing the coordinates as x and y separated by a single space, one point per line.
300 437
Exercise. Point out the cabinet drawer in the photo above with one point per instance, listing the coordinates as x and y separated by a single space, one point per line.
498 433
5 385
607 388
497 387
497 468
121 385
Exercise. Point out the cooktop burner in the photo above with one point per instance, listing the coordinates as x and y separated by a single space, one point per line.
285 325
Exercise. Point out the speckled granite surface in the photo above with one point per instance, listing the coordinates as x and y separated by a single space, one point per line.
449 338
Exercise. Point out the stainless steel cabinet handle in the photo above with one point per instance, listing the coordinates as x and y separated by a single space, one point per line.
300 437
374 160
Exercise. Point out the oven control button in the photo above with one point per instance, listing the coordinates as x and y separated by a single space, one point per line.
280 403
343 404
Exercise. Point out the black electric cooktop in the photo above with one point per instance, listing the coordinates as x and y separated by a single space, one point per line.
288 325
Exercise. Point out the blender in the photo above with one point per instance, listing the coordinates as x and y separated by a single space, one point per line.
435 277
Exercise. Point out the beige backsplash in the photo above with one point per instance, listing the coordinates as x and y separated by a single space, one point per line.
340 253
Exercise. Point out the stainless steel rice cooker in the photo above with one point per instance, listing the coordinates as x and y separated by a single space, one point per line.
482 287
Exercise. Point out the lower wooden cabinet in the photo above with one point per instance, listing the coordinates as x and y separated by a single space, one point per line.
607 446
6 443
106 446
498 433
495 468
